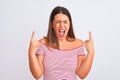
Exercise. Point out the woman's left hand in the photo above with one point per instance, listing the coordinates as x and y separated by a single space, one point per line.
89 44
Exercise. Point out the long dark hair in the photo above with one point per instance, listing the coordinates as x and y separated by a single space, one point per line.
51 36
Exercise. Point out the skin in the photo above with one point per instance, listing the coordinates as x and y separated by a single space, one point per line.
35 62
61 21
85 65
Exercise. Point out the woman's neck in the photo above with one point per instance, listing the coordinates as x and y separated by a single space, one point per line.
62 42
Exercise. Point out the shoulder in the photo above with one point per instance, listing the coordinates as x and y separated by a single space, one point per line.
78 42
43 41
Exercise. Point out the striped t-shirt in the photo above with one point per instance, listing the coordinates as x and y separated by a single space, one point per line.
60 64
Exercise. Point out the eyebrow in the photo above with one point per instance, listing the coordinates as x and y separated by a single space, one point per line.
60 20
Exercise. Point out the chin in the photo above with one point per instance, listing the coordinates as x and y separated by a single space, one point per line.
61 38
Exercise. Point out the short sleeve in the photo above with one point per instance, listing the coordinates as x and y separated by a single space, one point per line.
41 49
81 51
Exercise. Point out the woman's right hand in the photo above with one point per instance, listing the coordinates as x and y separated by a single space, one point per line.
34 44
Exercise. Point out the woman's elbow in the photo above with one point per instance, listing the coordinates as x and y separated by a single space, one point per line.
82 75
37 76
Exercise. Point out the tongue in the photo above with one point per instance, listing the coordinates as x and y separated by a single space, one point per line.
61 34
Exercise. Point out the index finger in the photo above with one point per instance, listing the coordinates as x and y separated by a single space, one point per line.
90 35
33 35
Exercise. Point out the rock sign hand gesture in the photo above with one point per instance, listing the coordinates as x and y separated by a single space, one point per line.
34 44
89 44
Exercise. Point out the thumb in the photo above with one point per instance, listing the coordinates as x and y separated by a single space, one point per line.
84 43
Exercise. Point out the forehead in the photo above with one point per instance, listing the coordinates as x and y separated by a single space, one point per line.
61 16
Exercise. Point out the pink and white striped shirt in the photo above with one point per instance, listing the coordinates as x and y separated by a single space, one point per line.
60 64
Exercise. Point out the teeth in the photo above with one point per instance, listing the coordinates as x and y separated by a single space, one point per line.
61 30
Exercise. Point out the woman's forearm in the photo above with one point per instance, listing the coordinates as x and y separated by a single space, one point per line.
85 65
34 66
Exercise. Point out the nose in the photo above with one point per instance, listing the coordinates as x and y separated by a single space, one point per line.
61 24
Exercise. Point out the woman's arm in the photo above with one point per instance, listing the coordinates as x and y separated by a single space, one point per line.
35 62
85 66
85 62
36 66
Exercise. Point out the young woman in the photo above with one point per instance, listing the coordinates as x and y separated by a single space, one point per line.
59 55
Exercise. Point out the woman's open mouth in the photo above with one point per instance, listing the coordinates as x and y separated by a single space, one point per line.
61 32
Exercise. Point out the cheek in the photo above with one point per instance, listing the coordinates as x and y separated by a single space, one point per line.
68 27
68 30
55 28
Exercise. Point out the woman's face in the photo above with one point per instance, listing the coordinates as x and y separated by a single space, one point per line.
61 25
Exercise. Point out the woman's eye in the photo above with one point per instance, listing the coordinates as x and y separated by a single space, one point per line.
65 22
57 22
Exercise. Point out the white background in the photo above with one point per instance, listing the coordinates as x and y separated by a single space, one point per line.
18 18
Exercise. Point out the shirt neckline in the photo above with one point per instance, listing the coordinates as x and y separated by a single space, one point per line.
65 49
